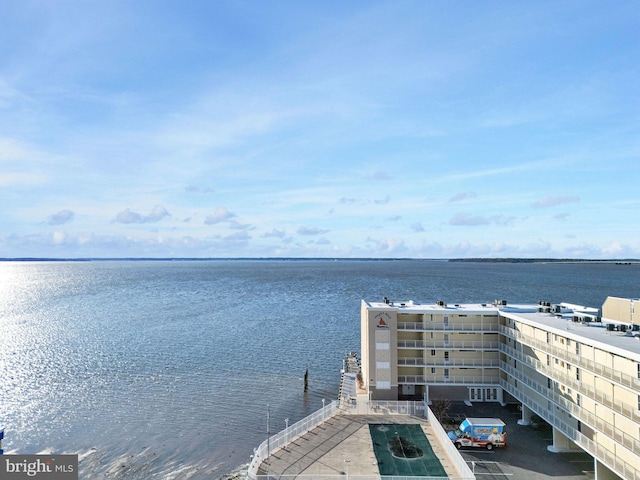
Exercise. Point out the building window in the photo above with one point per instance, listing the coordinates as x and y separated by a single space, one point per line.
433 353
446 373
578 374
578 351
548 337
548 360
548 383
578 399
446 356
433 370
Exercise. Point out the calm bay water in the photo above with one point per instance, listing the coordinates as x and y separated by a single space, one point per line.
164 369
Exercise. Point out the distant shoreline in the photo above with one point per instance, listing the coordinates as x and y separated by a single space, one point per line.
626 261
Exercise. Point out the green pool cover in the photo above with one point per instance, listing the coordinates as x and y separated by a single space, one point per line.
393 442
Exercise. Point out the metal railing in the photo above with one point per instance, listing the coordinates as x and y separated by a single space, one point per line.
629 411
452 379
609 373
451 327
598 451
453 362
598 423
452 344
287 435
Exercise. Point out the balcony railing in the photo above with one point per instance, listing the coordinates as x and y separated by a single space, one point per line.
450 327
622 408
454 362
455 344
598 451
616 376
451 379
586 417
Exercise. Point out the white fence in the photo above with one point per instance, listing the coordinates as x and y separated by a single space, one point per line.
287 435
452 452
383 407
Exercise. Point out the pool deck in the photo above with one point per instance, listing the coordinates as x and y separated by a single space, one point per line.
342 446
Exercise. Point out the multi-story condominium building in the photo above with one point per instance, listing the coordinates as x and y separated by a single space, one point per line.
576 367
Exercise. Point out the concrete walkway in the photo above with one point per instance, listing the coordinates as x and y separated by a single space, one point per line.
341 445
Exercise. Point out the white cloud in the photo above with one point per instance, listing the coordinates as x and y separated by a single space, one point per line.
548 202
311 231
381 176
275 233
220 215
461 219
458 197
63 216
127 216
235 225
467 219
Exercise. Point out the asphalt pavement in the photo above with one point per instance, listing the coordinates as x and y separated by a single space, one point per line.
526 456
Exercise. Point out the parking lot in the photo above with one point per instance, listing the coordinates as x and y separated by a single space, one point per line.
526 456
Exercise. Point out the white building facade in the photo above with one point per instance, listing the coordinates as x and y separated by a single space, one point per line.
573 366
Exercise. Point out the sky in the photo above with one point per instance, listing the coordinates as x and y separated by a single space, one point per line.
361 129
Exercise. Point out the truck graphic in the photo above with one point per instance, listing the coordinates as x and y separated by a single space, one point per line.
479 432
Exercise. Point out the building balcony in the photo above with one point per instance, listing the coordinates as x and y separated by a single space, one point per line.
454 362
586 417
598 451
451 379
615 376
450 345
629 411
450 327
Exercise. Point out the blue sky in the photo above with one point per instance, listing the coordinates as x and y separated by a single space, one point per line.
427 129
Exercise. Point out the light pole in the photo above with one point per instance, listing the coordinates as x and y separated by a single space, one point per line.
286 429
268 439
346 467
323 410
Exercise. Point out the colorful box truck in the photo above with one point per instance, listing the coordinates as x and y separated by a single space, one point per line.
479 432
